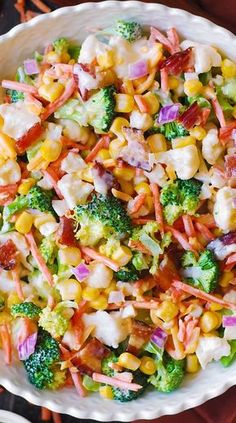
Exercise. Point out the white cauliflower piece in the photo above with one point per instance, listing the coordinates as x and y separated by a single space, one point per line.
230 333
157 175
110 328
100 276
211 348
54 131
211 147
74 131
140 120
185 160
230 296
17 119
10 172
205 56
72 163
48 228
74 190
91 48
60 207
224 211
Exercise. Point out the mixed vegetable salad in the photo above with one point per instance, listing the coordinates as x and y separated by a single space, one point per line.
118 212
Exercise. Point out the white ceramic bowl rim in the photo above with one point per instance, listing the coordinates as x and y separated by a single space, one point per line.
22 40
8 417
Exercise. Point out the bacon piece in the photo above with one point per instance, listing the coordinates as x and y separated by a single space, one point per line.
19 86
178 62
65 232
29 138
140 335
230 165
77 380
191 116
136 152
8 254
116 382
226 132
171 42
205 115
89 359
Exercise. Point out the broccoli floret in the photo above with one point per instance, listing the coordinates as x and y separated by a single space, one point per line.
101 218
229 359
179 197
59 379
53 322
130 31
101 109
61 46
106 369
201 101
139 261
173 130
202 273
28 309
169 375
15 95
74 51
229 89
39 366
127 273
48 250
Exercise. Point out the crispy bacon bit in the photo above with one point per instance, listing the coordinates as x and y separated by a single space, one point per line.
29 138
65 232
178 62
89 359
230 165
103 179
191 116
140 334
226 132
136 153
8 255
171 42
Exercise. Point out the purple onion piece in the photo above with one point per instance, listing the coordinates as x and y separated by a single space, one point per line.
169 113
138 69
31 67
27 347
228 321
81 272
159 337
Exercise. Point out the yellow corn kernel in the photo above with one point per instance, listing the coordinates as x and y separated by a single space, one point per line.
105 60
173 82
52 57
183 141
167 311
170 172
117 127
192 363
142 188
51 150
70 256
146 84
209 321
208 92
122 255
24 223
36 162
124 173
109 77
148 203
156 55
12 299
65 57
104 154
106 392
100 303
115 147
43 218
147 366
126 186
129 361
110 288
90 294
1 122
7 146
225 279
70 289
124 103
128 87
109 163
198 132
5 318
121 195
47 79
25 186
51 92
216 306
228 68
71 62
86 174
152 102
157 143
192 87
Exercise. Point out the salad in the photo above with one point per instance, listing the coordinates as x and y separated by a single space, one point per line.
118 212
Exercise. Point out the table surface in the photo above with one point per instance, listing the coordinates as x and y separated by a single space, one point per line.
209 412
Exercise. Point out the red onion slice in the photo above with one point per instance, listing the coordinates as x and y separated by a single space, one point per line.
31 67
81 272
138 69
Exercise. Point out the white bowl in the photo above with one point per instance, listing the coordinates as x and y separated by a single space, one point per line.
8 417
74 22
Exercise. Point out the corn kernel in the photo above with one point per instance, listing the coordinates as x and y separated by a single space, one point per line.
51 150
25 186
122 255
167 311
117 127
70 289
12 299
105 60
198 132
124 173
126 186
90 294
115 147
216 306
170 172
183 142
228 68
143 188
173 82
100 303
52 57
86 174
152 102
104 154
47 79
157 143
192 363
65 57
225 279
5 318
24 223
70 256
43 218
129 361
156 55
209 321
7 146
147 366
127 87
192 87
121 195
208 92
106 392
124 103
51 92
148 203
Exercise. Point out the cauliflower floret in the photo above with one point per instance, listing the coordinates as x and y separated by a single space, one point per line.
110 328
211 147
54 131
17 119
224 211
140 120
10 172
185 160
100 276
60 207
53 322
231 295
205 56
157 175
211 348
72 163
74 131
74 190
91 48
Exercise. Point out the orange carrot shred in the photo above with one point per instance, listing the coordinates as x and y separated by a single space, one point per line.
97 377
141 103
45 414
188 226
56 417
93 254
41 6
137 245
181 238
78 383
157 206
6 343
204 231
102 143
17 282
138 203
39 259
53 178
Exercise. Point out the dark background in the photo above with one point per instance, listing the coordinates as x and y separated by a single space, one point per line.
221 409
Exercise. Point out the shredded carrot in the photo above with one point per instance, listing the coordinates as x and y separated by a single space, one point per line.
41 6
179 349
141 103
188 226
157 206
53 178
102 143
138 203
173 37
68 143
219 112
56 417
141 221
156 35
207 220
78 383
21 10
137 245
6 343
181 238
164 80
19 86
230 262
52 107
45 414
17 282
204 231
93 254
142 305
30 14
39 259
97 377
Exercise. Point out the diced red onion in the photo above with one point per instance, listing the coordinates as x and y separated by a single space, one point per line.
169 113
31 67
81 272
27 347
228 321
138 69
159 337
116 297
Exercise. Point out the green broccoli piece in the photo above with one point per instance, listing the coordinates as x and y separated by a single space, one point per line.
22 77
146 235
229 359
170 374
173 130
102 217
229 89
61 46
74 51
27 309
106 369
48 250
38 57
139 261
15 95
202 273
201 101
101 109
130 31
40 365
53 321
180 197
127 273
59 379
